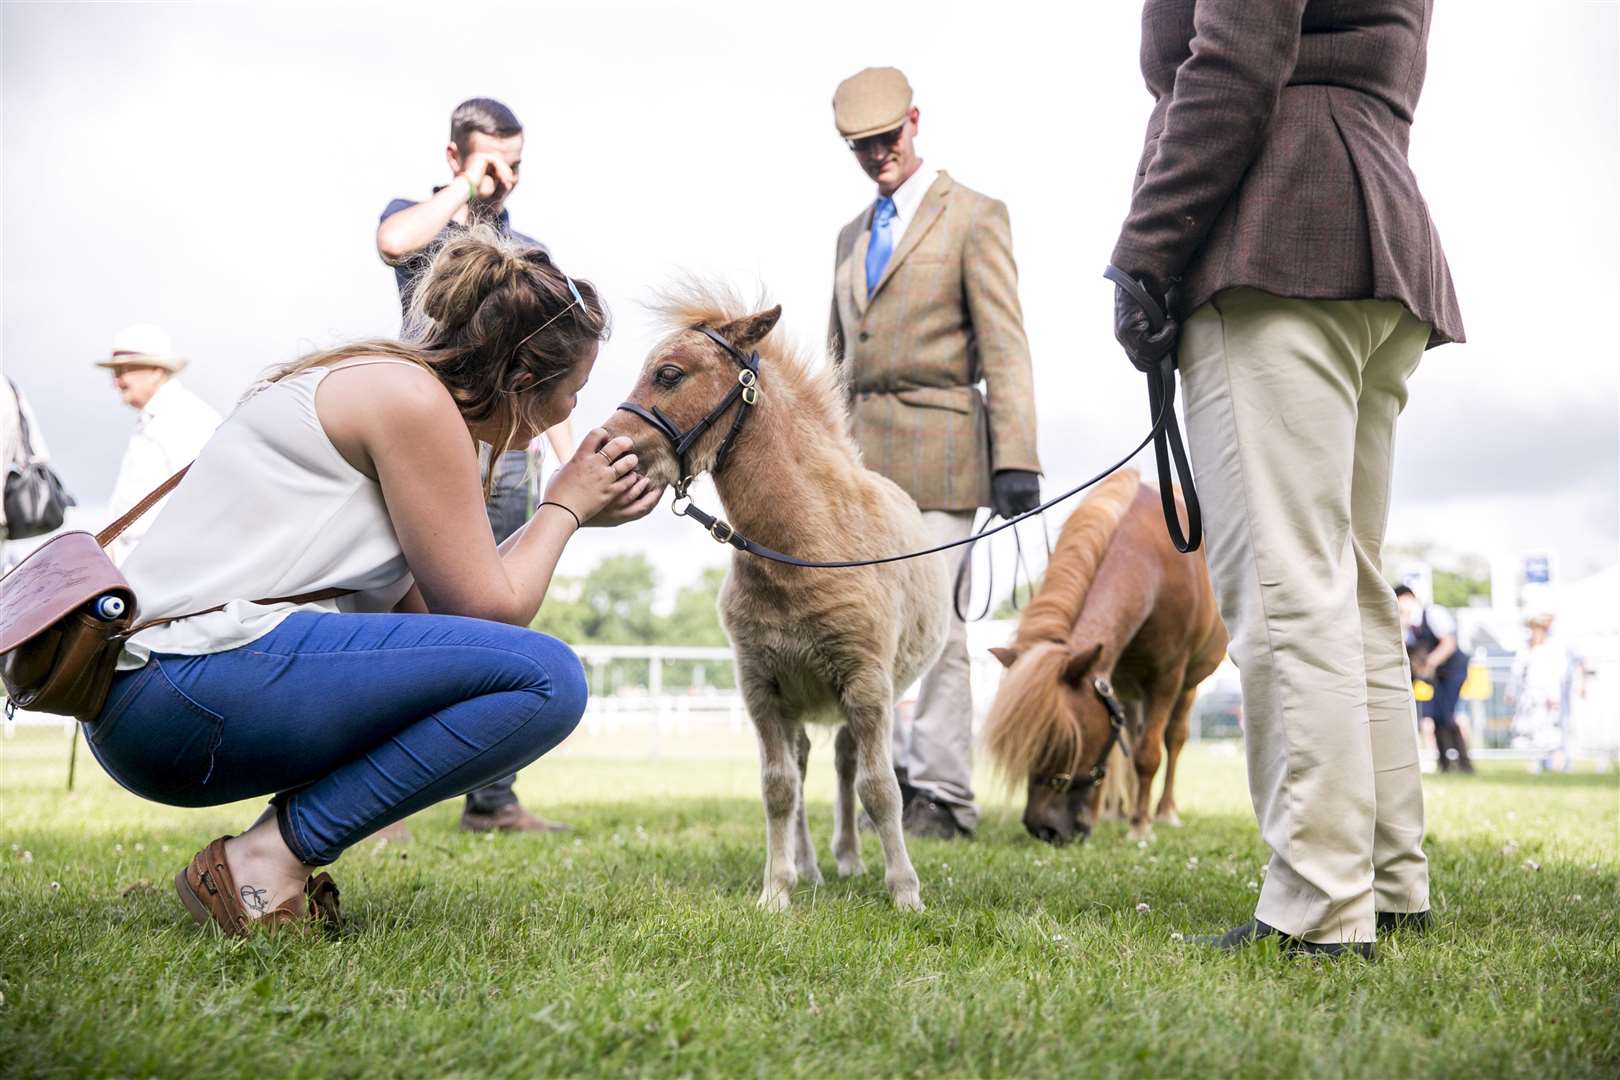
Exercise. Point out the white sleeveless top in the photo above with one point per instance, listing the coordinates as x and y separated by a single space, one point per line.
270 508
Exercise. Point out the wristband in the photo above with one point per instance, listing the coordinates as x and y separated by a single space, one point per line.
472 197
578 524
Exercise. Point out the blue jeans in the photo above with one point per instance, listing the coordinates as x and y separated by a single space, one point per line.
355 721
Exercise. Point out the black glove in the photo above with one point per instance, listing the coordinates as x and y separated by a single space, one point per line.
1147 336
1014 492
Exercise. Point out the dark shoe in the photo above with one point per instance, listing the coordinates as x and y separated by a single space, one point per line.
1240 937
509 818
1414 922
929 820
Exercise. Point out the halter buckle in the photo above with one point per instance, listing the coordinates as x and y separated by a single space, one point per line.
750 385
1060 782
722 532
676 508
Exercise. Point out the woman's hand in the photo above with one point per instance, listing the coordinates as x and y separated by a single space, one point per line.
633 505
600 474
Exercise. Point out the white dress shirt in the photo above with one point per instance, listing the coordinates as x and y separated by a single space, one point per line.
908 199
171 430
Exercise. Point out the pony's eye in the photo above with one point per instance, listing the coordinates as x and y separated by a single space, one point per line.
669 375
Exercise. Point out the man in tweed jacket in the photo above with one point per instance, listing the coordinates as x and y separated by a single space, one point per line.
1275 207
925 308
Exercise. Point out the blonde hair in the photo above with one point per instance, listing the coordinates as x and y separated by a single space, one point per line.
494 320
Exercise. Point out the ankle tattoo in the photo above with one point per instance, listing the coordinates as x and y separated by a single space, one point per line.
254 898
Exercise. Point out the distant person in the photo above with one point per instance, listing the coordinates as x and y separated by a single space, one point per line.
173 426
485 156
23 449
1436 658
373 655
1542 675
1274 215
925 310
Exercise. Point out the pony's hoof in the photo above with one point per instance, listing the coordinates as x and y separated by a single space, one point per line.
908 899
810 875
1168 817
851 866
1142 832
774 899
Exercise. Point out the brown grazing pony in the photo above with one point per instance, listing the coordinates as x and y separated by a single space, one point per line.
811 645
1119 604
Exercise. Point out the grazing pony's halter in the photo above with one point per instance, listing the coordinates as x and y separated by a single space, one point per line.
745 391
1062 782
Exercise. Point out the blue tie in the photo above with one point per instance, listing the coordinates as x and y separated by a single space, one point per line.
882 245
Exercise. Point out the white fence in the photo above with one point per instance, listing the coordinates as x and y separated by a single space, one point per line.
632 691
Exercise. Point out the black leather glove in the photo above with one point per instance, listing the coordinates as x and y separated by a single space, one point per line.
1147 336
1014 492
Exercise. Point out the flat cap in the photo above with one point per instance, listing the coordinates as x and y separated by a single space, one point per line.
871 101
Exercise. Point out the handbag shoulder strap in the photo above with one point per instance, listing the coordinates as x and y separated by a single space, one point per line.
113 531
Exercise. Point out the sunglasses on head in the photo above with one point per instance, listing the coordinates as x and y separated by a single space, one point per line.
577 301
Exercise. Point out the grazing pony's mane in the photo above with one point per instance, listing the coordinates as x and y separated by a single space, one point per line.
1029 726
816 388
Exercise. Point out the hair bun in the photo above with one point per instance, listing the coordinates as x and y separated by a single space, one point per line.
464 271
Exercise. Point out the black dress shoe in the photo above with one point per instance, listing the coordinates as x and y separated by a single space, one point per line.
929 820
1415 922
1252 931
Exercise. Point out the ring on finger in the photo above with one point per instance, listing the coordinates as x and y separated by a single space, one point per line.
605 457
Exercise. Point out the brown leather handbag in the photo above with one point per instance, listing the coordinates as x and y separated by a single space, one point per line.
65 613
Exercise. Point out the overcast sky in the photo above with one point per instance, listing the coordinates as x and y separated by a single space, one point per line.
220 169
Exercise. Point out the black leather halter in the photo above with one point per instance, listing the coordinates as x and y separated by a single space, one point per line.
745 391
1061 782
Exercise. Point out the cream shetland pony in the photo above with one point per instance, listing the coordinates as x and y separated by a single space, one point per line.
811 645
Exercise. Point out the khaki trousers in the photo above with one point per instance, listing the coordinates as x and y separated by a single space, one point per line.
934 752
1291 409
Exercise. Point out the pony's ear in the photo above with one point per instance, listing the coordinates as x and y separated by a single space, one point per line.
1075 668
746 332
1005 654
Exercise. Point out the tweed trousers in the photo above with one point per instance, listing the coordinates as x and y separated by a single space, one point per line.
934 751
1291 408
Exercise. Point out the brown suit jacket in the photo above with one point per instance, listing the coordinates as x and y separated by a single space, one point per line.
1276 155
944 315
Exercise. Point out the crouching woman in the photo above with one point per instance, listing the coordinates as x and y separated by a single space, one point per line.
356 471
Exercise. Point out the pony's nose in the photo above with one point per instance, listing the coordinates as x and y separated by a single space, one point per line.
1046 833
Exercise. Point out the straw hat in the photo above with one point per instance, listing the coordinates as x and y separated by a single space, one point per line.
143 345
871 101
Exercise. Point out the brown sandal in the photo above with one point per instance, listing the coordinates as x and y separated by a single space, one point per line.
209 892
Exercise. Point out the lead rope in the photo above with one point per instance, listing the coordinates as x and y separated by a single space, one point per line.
1163 408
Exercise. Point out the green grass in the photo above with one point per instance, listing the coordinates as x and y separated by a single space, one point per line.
634 946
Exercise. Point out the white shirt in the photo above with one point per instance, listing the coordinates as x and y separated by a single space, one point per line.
270 509
171 431
908 199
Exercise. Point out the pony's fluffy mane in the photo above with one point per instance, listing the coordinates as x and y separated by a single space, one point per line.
694 302
1028 725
